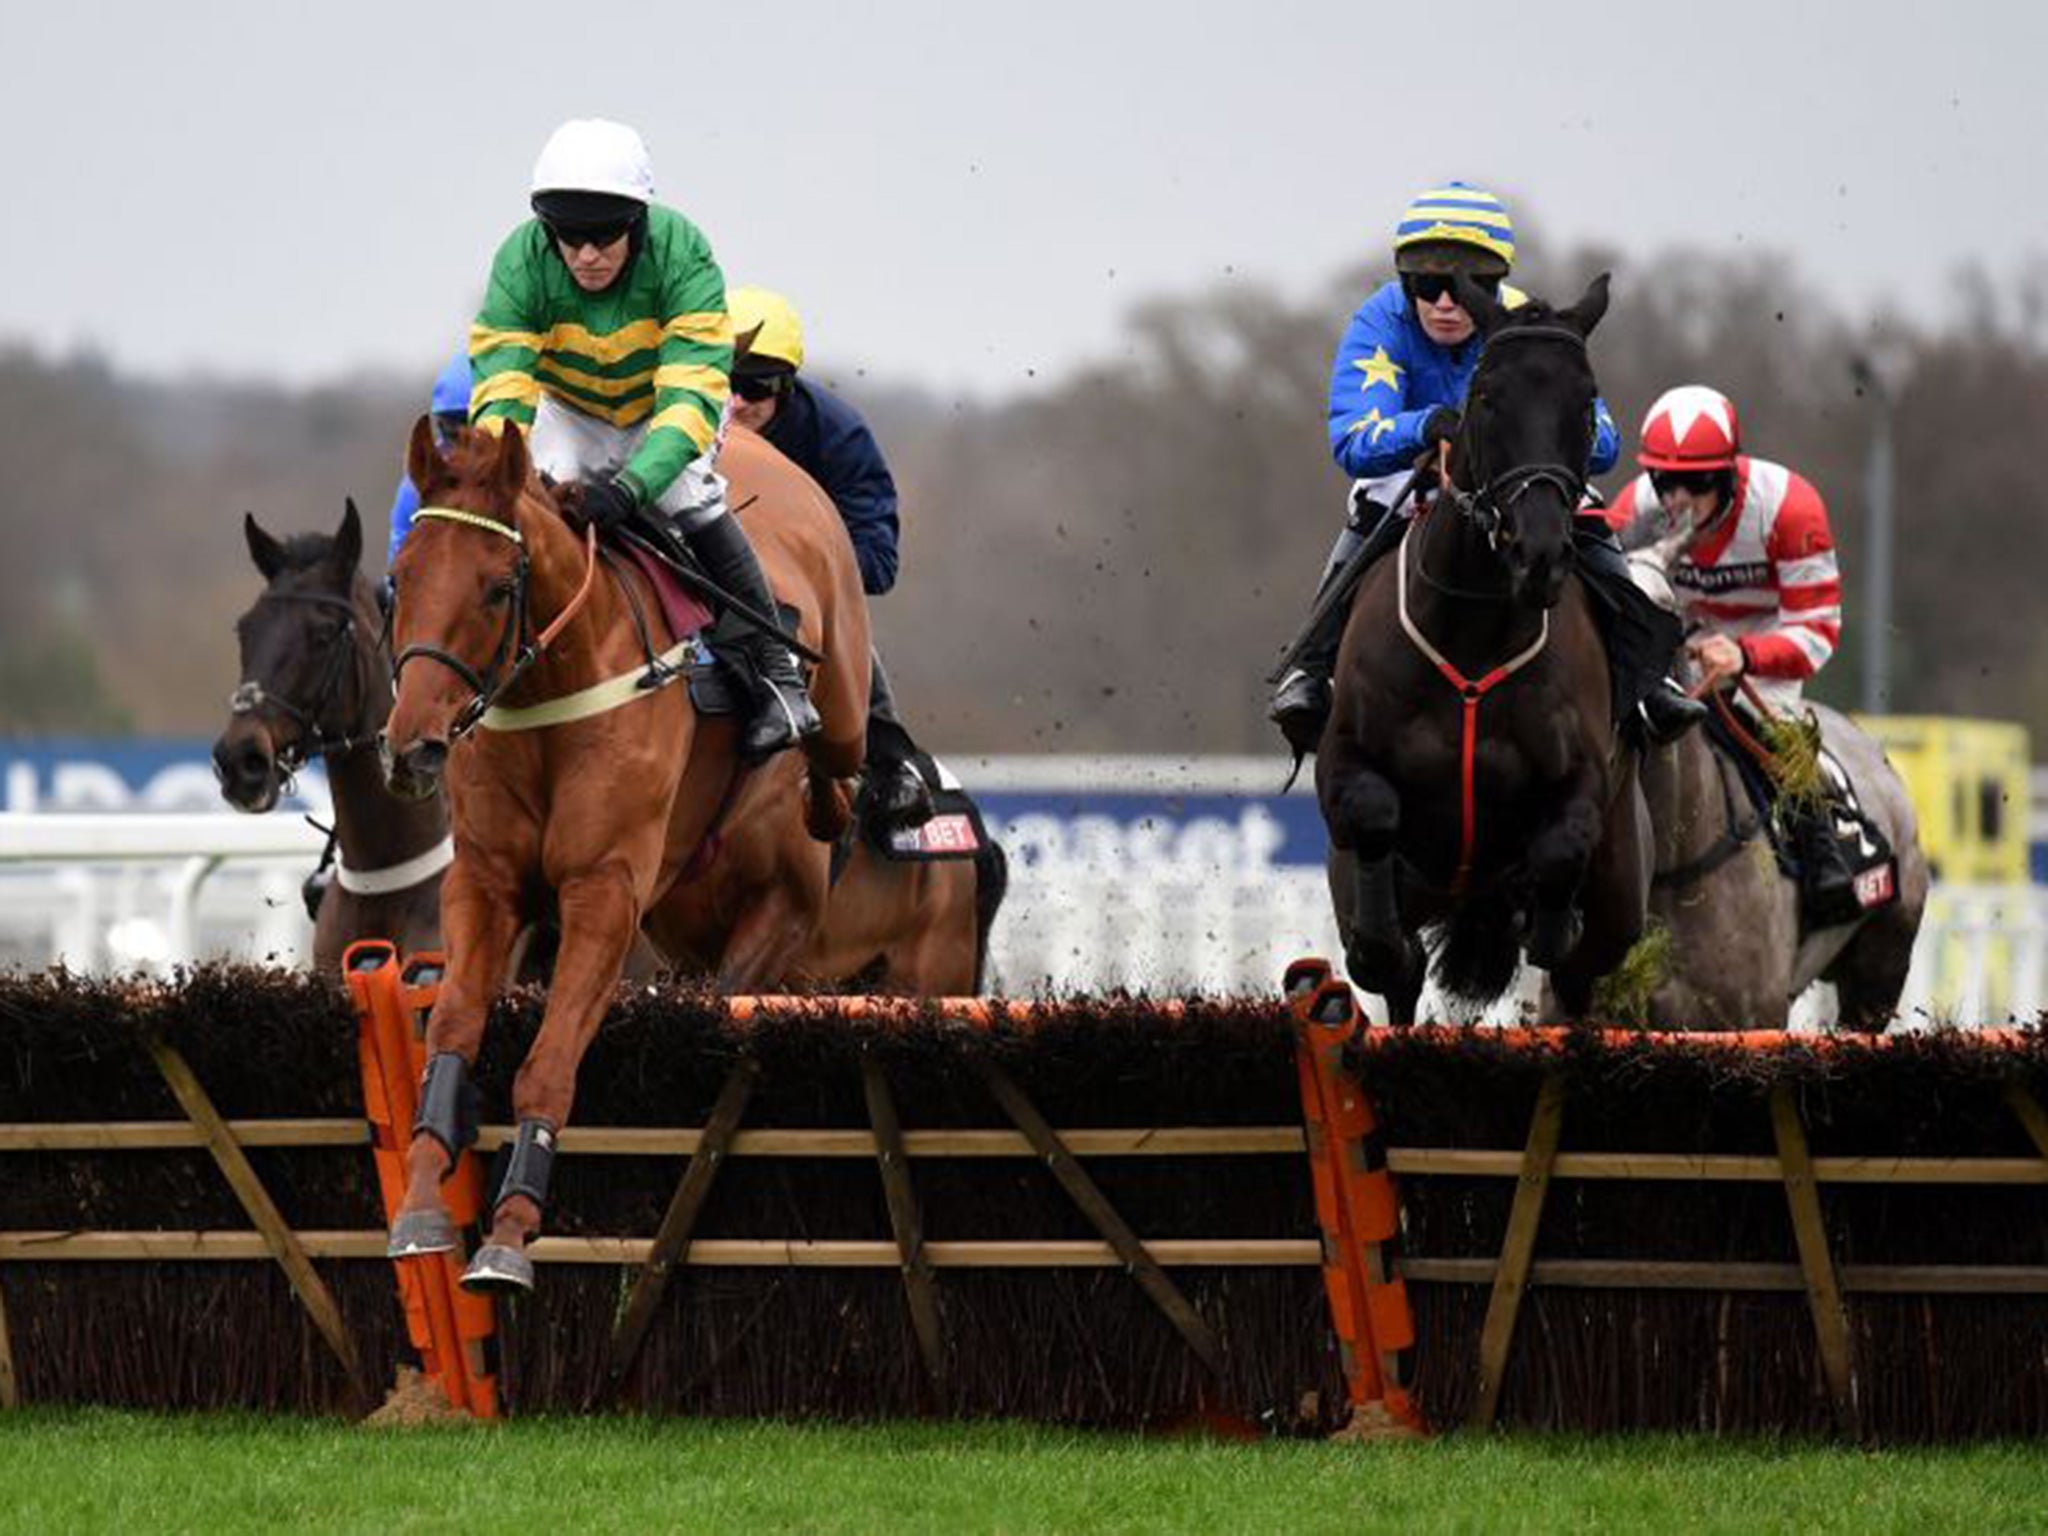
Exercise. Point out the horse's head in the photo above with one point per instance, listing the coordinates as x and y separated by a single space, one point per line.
459 617
1527 433
306 673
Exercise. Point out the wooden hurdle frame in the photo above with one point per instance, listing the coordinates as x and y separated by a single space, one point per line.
1328 1019
1355 1176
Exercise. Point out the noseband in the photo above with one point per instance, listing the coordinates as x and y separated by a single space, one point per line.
1487 507
252 698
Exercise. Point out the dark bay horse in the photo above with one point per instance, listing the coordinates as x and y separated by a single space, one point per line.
567 777
1472 779
315 683
1740 953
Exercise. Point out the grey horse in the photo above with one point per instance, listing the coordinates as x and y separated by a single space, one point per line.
1739 954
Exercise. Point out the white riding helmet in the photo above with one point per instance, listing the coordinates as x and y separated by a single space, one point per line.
592 154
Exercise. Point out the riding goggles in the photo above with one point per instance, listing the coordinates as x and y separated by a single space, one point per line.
756 387
1697 482
599 235
1431 286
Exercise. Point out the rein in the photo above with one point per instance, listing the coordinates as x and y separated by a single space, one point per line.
252 698
517 647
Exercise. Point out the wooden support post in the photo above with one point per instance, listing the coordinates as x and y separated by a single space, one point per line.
10 1388
672 1238
1823 1289
1518 1248
1103 1217
906 1223
279 1238
2023 1104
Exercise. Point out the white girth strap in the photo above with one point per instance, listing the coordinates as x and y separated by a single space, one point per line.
597 699
397 877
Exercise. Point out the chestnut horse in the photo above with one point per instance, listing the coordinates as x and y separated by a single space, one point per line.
1472 779
567 774
315 684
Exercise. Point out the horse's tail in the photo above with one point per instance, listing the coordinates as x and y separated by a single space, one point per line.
991 884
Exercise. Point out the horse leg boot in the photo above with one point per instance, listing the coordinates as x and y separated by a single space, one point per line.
447 1118
783 712
895 796
480 912
1641 638
504 1266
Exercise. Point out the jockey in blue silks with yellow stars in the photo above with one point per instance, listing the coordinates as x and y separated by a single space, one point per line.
1396 389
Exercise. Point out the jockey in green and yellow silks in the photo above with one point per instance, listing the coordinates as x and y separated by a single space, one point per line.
604 332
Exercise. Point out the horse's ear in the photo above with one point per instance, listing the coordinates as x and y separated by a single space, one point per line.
422 458
348 541
743 342
1585 314
1486 311
513 465
263 549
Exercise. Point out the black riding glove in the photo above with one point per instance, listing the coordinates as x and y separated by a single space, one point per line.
608 503
1440 426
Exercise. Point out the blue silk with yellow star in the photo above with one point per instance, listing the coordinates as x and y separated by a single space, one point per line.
1389 376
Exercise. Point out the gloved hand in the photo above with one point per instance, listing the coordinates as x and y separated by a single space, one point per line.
607 503
1440 426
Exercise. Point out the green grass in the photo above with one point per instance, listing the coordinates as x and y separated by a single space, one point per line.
102 1470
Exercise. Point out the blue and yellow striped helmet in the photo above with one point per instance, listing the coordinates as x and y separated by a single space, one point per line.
1455 214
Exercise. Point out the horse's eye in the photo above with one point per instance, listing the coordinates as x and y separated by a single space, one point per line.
500 593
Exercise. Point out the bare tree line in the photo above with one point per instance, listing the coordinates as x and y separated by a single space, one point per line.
1107 564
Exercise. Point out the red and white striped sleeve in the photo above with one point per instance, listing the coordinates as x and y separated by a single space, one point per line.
1802 553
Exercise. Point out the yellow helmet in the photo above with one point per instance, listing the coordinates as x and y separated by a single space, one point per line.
777 332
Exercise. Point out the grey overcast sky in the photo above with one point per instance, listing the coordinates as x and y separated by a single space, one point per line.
962 193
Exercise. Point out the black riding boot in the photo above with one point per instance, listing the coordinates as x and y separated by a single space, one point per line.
895 796
1827 880
1642 639
783 712
1301 703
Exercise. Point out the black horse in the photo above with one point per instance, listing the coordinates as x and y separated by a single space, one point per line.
1472 778
316 683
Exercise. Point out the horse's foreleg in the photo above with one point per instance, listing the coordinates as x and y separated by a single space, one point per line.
1559 856
768 940
1617 896
479 916
600 916
1364 817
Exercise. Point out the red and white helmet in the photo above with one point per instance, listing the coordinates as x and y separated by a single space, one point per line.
1691 427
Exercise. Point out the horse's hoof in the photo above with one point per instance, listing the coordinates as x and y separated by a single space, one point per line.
1553 935
415 1233
498 1270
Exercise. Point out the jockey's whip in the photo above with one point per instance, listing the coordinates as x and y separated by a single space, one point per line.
692 575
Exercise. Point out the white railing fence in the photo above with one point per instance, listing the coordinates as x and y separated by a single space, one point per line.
142 892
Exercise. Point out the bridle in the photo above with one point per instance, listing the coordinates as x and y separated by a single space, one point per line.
518 647
1487 508
252 698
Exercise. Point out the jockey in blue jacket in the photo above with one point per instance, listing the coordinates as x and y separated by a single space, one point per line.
1396 390
450 410
827 439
